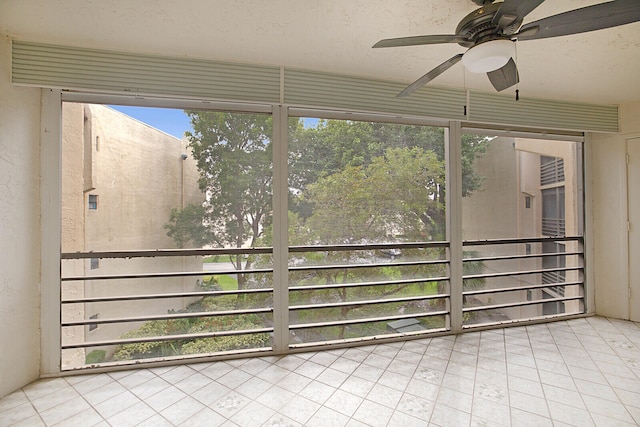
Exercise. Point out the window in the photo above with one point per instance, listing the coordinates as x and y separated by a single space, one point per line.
551 170
505 281
553 211
368 252
93 202
93 326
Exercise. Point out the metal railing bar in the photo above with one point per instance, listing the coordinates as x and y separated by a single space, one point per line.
527 320
507 257
370 338
104 367
167 296
519 273
520 303
372 265
150 253
365 302
520 288
166 338
366 320
365 246
161 275
364 284
165 253
521 240
167 317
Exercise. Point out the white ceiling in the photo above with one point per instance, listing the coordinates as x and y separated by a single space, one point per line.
335 36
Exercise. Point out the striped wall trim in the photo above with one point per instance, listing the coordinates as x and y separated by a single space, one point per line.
543 114
116 72
93 70
315 89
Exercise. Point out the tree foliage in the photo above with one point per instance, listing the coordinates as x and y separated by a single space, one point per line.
350 182
233 154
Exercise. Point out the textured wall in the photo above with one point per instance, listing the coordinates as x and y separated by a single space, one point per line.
609 195
19 230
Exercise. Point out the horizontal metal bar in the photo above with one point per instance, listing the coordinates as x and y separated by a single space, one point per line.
535 320
167 317
367 117
520 288
164 361
161 275
373 265
165 253
167 338
165 102
390 337
363 284
521 240
366 247
244 251
508 257
166 296
557 135
519 304
320 306
519 273
366 320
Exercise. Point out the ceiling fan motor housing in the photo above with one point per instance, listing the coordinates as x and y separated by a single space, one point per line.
478 26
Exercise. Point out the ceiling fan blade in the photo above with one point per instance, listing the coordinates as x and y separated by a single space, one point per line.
513 11
590 18
430 75
504 77
420 40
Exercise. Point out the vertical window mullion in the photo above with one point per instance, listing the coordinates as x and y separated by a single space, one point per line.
454 221
280 235
51 202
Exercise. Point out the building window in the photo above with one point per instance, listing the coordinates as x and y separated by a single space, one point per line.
553 211
527 202
95 263
551 170
93 326
93 202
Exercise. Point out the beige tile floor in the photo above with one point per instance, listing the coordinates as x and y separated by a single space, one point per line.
579 372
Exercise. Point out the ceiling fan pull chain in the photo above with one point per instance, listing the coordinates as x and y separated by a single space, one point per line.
518 82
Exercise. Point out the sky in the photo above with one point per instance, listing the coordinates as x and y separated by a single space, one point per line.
173 122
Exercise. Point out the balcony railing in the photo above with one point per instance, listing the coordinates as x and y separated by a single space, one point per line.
169 304
513 284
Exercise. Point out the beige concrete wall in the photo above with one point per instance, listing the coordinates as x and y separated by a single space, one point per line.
608 183
19 230
484 214
138 176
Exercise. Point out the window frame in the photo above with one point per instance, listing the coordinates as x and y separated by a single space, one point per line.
51 195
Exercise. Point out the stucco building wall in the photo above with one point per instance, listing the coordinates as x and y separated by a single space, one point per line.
19 230
136 175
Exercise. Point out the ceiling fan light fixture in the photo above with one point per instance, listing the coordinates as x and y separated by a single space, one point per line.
489 56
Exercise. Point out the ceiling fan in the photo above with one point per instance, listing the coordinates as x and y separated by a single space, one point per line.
490 32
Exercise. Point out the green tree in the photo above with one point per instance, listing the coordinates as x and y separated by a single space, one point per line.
334 144
396 194
234 157
394 197
187 225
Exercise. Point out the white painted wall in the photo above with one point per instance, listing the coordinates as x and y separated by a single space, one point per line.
19 230
608 183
